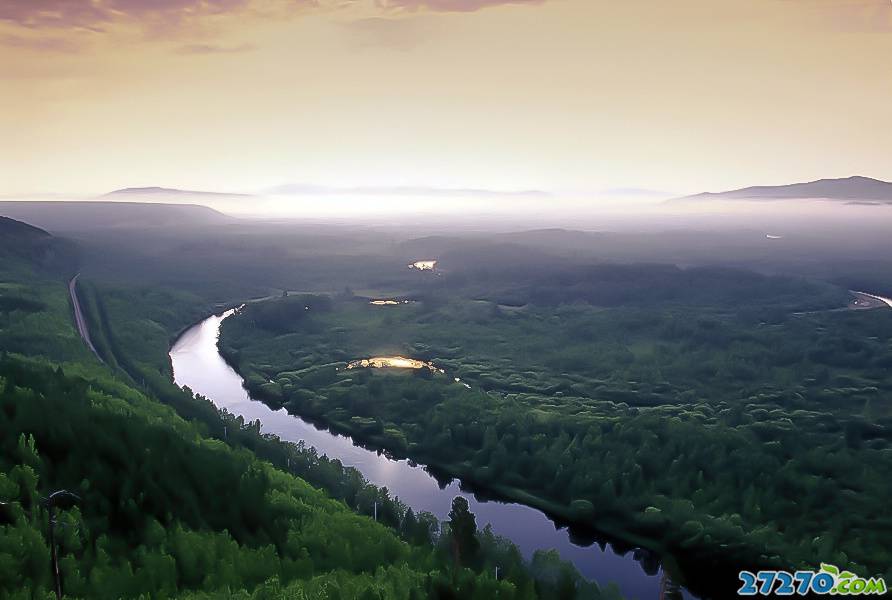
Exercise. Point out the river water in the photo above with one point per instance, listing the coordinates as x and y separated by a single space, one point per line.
198 365
884 300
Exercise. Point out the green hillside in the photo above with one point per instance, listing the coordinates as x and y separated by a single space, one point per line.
168 510
24 247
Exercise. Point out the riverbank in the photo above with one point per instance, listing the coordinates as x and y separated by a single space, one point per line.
692 429
198 365
582 522
702 571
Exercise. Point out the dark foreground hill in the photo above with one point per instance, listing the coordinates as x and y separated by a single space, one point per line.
32 247
12 231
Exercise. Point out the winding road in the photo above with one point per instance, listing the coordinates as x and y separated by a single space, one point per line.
79 319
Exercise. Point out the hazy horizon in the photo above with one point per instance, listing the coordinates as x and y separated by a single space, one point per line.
801 204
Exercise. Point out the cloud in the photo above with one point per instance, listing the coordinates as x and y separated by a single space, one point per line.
449 5
59 13
215 49
98 15
43 43
404 24
387 32
847 16
95 14
861 16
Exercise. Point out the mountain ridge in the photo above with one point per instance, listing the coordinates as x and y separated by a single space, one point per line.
84 215
300 189
157 190
854 188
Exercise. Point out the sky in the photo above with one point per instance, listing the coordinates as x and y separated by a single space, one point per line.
559 96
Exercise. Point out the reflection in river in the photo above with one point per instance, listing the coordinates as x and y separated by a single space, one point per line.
388 302
198 365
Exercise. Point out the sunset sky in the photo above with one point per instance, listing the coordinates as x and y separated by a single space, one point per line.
553 95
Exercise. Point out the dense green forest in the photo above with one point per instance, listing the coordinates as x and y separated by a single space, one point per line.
686 421
168 508
164 511
717 416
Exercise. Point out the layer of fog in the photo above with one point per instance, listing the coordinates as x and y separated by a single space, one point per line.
468 210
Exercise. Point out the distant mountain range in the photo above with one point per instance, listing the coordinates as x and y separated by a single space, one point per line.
161 191
301 189
852 190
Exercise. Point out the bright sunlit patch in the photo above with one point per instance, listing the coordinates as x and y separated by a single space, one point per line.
392 362
424 265
388 302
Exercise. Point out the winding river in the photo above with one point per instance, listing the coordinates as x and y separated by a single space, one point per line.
198 365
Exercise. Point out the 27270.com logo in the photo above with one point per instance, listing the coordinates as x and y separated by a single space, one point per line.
829 580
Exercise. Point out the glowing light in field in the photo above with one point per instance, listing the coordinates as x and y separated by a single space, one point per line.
424 265
392 362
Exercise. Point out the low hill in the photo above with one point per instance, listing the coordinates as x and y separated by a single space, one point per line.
849 189
24 243
58 216
14 232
